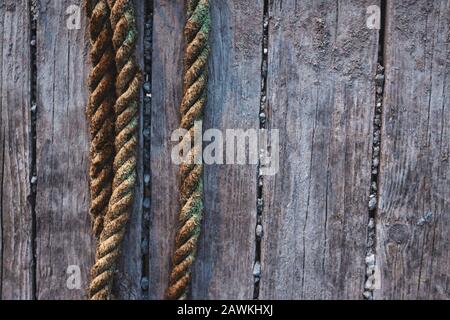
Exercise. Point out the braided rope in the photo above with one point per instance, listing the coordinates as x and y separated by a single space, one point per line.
127 85
196 53
100 111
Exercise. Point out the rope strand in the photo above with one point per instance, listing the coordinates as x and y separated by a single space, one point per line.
100 111
128 83
196 53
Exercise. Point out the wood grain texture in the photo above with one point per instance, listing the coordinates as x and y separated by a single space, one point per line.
320 93
15 155
226 252
229 191
167 66
414 210
62 222
322 62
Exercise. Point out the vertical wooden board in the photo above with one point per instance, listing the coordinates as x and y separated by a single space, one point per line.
62 223
15 154
226 249
414 212
322 62
167 66
127 283
226 252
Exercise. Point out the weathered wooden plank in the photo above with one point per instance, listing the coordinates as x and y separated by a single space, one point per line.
167 69
62 223
227 245
322 61
63 232
414 211
15 155
226 248
128 280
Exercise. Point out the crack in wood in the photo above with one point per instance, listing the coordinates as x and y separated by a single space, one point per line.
32 6
146 129
370 259
263 112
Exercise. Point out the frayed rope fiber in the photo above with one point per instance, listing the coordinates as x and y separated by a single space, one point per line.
118 21
195 81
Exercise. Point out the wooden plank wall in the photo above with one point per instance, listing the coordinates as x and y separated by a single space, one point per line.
230 190
62 198
413 233
15 155
316 86
321 97
166 95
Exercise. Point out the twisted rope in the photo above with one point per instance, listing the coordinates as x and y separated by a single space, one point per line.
196 53
128 82
100 111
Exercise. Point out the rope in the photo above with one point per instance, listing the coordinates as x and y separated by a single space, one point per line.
100 111
128 82
196 53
